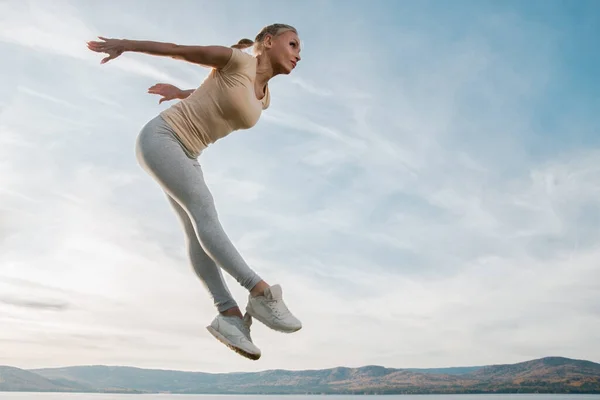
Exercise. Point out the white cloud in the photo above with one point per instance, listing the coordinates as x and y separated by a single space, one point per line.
57 28
312 88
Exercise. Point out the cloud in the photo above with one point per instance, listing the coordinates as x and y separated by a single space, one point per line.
58 29
35 304
47 97
311 88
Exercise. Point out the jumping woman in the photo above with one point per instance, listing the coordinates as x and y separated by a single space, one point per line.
231 98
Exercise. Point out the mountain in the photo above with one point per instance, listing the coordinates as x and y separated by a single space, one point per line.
545 375
15 379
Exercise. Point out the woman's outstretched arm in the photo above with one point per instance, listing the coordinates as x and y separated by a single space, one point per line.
209 56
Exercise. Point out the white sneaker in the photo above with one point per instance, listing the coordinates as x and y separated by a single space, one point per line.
271 310
234 333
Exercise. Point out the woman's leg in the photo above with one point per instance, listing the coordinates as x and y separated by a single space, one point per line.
181 177
204 266
161 156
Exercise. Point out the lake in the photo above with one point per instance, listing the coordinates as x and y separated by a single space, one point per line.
102 396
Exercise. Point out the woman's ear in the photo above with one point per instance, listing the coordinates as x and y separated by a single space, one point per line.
268 41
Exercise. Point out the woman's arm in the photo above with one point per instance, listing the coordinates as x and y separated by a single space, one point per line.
209 56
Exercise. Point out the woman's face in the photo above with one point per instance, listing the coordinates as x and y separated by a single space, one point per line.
283 51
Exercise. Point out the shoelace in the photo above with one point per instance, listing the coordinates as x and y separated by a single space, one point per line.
278 308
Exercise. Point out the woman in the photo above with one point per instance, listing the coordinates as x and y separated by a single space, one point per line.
232 97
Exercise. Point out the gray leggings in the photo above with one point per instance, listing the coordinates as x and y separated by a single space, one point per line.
162 156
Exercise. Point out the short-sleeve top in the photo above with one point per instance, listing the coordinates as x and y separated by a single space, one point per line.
223 103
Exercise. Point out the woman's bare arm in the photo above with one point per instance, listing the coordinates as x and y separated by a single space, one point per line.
209 56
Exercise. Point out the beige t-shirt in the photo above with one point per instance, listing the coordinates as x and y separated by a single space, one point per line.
223 103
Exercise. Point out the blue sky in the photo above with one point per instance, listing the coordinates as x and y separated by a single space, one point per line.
424 186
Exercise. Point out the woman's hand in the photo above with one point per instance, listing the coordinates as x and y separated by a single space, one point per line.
168 92
113 47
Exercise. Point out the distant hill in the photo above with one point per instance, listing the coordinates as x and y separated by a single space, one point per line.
546 375
15 379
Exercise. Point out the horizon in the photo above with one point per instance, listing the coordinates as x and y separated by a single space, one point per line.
532 377
300 370
424 186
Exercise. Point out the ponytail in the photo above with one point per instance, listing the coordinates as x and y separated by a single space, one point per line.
243 44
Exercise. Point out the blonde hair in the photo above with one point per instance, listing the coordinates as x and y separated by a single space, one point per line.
273 30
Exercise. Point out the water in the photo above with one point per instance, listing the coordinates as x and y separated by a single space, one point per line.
102 396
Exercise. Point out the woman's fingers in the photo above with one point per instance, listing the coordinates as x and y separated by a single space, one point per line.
165 90
156 89
99 47
95 46
161 88
109 46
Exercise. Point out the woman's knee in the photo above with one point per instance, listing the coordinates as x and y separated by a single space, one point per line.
203 212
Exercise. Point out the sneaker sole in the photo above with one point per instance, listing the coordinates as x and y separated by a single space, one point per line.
249 311
227 343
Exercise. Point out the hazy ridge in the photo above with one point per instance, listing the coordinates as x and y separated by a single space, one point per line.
545 375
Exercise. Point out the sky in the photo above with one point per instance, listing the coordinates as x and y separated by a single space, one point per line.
424 186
